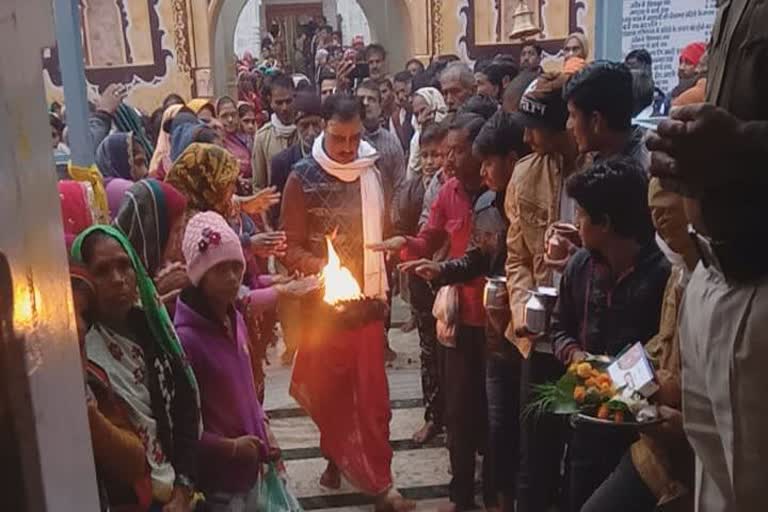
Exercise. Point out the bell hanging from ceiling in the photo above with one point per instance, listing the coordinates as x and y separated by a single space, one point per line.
522 22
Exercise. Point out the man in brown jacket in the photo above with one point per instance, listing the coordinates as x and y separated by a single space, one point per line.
534 200
278 134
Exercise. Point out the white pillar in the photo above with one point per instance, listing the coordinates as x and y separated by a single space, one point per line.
43 376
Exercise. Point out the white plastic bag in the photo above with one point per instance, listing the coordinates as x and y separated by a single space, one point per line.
446 312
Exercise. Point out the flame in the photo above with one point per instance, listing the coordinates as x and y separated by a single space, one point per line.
340 285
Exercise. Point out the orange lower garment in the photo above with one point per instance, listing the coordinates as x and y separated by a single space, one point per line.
341 382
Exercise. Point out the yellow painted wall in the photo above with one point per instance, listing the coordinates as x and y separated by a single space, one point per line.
184 24
436 26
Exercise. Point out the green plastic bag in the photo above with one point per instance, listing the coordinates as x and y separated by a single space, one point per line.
273 495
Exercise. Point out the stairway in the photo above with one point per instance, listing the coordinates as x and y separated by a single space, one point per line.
421 473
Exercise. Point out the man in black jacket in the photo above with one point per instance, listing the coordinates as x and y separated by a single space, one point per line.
610 297
499 144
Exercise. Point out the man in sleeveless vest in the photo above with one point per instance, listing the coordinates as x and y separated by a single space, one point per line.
337 192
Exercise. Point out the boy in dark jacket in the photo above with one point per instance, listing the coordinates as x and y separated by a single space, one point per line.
610 297
499 144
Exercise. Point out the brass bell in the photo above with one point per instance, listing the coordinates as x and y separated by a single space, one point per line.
522 22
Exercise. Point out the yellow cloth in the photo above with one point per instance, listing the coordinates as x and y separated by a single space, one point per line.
206 175
197 104
93 176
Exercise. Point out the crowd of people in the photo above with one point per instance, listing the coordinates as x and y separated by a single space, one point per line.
204 228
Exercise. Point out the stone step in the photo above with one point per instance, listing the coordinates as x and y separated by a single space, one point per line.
420 474
299 435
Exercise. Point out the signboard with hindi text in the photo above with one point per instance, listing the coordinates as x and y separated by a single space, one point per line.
664 27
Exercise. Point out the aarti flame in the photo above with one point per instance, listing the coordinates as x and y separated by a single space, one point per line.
340 285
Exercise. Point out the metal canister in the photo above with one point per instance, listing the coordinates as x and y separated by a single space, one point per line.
495 295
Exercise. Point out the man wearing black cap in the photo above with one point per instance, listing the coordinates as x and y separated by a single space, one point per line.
535 199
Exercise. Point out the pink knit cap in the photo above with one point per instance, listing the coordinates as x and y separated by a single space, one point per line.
208 241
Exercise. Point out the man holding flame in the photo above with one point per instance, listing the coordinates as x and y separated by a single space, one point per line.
333 207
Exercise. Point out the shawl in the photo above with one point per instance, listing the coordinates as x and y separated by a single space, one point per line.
436 102
114 156
437 105
157 316
284 131
148 212
364 168
206 175
128 120
161 159
93 177
77 208
116 189
124 362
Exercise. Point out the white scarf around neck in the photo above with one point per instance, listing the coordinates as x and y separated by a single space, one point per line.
363 168
284 131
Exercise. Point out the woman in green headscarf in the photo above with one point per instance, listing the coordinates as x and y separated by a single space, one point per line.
139 351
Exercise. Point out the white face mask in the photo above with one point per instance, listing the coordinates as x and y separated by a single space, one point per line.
673 257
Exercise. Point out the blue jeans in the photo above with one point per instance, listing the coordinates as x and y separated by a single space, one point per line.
502 386
624 490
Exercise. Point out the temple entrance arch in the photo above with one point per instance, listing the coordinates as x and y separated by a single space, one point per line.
389 21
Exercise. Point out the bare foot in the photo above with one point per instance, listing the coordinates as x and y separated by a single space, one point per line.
389 355
426 433
409 325
393 501
287 358
331 478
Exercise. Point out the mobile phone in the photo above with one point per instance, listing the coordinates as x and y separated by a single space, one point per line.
360 72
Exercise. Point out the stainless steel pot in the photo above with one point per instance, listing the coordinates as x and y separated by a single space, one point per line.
495 295
538 309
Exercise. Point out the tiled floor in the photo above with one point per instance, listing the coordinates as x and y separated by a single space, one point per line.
419 472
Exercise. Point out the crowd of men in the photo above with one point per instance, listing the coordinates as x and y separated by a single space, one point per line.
430 180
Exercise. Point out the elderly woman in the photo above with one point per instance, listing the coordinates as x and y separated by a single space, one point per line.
133 342
428 107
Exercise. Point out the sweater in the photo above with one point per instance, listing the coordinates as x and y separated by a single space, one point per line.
229 405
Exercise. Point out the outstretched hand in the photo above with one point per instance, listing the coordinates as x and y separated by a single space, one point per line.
424 268
393 244
260 202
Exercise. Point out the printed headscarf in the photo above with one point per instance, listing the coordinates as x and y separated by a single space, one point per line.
146 216
114 156
157 316
205 174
